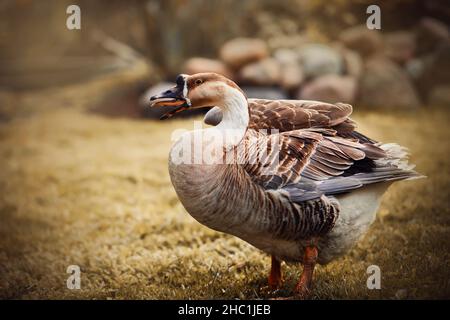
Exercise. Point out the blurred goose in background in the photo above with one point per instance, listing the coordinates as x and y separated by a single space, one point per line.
309 199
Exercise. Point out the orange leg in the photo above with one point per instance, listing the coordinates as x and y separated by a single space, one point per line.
305 283
275 277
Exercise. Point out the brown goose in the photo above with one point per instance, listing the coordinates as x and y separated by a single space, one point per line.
305 192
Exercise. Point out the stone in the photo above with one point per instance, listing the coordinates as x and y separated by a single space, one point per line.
330 88
400 46
291 70
384 84
280 41
363 40
415 67
430 33
198 64
436 69
271 93
319 59
353 64
265 72
240 51
440 96
144 100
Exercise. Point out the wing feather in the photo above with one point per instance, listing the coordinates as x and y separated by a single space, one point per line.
314 149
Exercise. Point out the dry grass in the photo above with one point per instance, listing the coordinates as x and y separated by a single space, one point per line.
78 188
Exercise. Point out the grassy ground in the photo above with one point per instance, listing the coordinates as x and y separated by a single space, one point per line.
78 188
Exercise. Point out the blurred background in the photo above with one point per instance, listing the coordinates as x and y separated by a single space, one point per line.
292 48
83 176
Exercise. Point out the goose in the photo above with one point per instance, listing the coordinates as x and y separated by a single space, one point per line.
302 184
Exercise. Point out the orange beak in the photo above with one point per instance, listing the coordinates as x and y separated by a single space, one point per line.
170 98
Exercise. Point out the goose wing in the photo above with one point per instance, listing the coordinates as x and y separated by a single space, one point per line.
311 148
316 154
288 115
309 163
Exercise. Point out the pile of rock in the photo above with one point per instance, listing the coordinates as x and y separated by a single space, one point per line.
402 69
397 69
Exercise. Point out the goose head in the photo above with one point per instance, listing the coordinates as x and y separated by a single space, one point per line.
197 91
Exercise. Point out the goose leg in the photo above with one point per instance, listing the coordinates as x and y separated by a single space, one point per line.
275 276
305 283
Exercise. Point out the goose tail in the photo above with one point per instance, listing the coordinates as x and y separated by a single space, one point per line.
397 159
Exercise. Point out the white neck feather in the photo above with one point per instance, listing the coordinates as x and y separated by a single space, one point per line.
235 116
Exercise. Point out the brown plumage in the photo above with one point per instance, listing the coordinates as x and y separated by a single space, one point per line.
303 185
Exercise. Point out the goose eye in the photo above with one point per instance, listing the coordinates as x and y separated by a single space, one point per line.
198 81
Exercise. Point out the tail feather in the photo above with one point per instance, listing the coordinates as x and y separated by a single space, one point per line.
396 156
395 166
